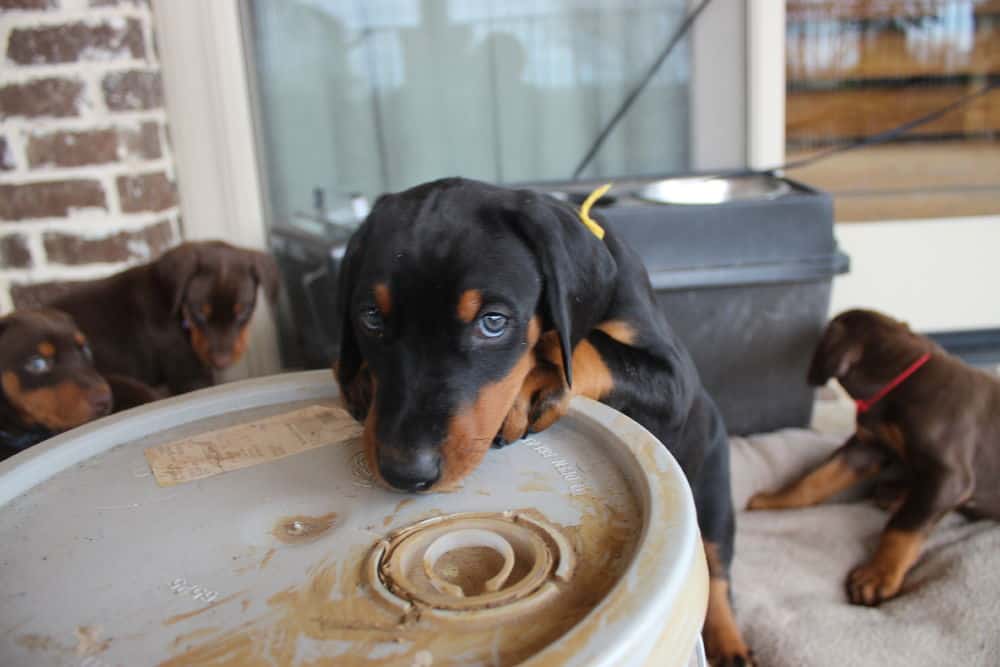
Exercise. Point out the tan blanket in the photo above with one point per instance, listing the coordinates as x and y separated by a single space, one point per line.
791 565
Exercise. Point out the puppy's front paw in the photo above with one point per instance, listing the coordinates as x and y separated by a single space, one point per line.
541 401
499 442
737 655
734 660
548 406
873 582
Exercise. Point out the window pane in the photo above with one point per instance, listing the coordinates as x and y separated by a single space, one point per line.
373 96
858 68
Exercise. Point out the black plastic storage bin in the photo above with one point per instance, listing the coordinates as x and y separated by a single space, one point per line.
745 283
308 325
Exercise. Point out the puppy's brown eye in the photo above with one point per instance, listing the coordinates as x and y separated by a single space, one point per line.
37 365
492 325
371 319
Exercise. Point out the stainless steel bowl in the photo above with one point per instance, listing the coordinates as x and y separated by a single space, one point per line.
700 190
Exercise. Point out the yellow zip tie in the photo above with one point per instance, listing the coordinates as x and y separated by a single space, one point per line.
585 210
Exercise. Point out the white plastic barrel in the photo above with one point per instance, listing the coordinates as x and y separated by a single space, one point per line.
577 546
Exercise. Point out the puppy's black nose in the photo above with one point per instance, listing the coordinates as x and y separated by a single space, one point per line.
412 471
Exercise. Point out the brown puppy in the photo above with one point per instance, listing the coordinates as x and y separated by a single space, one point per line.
919 406
48 382
172 322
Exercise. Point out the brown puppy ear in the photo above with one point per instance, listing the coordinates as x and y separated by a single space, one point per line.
174 270
836 352
349 369
577 268
265 272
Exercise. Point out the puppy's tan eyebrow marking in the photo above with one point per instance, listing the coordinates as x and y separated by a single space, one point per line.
46 349
79 338
469 304
383 298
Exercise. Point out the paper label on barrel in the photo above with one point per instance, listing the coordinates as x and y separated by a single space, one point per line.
250 444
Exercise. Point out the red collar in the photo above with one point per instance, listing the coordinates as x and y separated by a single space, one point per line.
866 404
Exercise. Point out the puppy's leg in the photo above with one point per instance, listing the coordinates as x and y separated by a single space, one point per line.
939 490
723 641
544 396
724 644
543 392
889 495
854 462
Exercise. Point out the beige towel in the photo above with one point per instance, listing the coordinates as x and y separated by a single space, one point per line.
790 568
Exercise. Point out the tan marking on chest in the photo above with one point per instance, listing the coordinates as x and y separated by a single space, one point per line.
591 376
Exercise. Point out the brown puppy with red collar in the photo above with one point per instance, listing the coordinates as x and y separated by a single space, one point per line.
48 383
172 322
918 406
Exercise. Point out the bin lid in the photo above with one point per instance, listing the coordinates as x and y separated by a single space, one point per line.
760 225
574 546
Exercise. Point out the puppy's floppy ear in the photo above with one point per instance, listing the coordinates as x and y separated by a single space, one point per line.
174 270
265 272
836 352
349 369
577 268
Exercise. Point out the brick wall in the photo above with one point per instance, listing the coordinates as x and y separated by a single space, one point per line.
86 175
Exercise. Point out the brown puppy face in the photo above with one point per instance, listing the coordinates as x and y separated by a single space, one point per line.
213 287
860 348
47 375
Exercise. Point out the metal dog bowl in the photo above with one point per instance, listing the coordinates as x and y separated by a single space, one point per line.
713 189
578 546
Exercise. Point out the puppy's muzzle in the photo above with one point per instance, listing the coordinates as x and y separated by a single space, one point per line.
409 469
100 399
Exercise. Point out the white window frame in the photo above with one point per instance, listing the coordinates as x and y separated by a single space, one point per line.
931 273
212 134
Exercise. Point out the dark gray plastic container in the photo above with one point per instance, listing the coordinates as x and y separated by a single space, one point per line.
744 283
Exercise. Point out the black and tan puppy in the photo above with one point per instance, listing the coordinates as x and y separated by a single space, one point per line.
172 322
47 377
919 407
470 310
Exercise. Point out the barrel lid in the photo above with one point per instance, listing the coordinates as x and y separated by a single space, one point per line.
570 547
